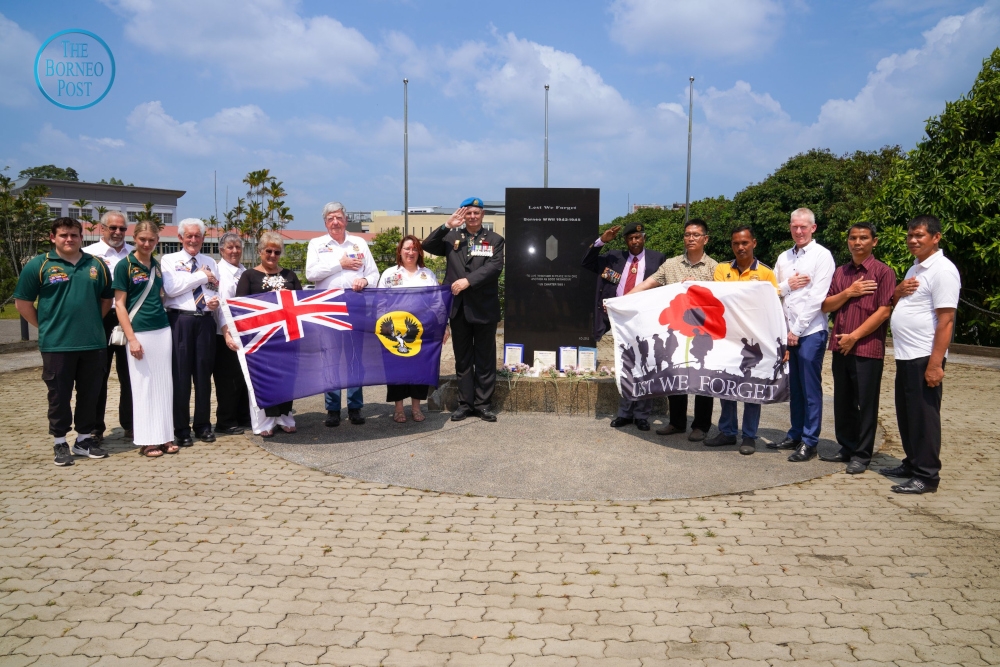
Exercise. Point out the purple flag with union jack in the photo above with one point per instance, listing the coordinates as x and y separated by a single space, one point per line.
301 343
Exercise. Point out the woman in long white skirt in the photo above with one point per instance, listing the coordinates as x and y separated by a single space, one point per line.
138 283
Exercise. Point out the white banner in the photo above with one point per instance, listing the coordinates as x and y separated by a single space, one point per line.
725 339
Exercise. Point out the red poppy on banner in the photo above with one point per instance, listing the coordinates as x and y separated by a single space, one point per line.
695 311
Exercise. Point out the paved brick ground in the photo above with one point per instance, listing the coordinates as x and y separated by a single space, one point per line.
226 555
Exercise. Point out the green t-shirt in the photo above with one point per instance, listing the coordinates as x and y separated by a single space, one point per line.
131 277
69 301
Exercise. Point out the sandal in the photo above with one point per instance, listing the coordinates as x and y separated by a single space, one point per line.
150 451
399 417
267 434
287 429
170 448
418 416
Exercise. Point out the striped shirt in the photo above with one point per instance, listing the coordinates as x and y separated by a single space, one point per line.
678 269
857 310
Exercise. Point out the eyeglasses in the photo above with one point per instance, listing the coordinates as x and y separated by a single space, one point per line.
693 236
117 229
276 253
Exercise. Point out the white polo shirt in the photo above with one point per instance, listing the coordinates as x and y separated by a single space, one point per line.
179 281
804 307
914 318
397 276
107 254
323 262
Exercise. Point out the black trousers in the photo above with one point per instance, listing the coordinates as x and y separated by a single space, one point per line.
194 358
401 392
231 396
118 357
61 371
856 385
918 415
703 408
475 348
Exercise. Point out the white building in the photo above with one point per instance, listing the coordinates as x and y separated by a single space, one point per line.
126 198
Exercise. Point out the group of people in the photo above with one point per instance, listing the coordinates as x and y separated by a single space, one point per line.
158 321
861 295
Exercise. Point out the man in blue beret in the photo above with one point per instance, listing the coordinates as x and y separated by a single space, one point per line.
474 257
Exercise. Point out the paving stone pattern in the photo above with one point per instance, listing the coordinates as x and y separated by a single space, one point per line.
227 555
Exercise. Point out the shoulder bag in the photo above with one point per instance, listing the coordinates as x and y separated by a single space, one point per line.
117 335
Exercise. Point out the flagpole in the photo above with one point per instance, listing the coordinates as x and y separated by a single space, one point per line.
406 162
687 193
546 181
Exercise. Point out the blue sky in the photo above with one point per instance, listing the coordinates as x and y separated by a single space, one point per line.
313 91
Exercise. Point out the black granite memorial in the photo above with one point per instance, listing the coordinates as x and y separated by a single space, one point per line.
549 297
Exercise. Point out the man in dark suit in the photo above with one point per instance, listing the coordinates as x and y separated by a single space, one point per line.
619 271
474 258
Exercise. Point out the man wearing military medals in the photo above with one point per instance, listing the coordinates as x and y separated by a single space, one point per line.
619 271
474 258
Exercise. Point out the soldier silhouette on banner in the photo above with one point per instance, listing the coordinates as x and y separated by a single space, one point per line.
779 363
643 355
701 346
751 357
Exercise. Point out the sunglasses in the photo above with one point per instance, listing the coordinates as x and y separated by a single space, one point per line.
117 229
276 253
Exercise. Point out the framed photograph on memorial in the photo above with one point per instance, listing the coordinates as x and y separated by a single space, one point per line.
567 358
587 359
544 358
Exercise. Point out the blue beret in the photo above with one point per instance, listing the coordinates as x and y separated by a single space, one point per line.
472 201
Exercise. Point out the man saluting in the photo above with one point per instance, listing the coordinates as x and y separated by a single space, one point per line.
619 272
474 261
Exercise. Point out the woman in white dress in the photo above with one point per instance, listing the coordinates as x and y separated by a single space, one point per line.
138 277
408 272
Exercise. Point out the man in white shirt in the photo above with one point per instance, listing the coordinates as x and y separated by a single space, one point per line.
922 326
804 273
341 260
232 400
191 287
111 249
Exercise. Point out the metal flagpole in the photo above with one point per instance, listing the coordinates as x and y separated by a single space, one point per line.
546 181
687 194
406 163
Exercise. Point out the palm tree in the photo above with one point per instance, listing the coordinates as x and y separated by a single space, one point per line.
147 214
85 215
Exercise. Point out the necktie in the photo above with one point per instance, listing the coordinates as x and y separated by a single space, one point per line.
633 271
199 296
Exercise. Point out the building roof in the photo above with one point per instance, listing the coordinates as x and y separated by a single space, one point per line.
101 192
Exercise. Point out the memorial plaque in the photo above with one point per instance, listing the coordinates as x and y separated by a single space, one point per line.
549 296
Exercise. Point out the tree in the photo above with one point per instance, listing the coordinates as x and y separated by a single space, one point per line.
50 171
664 228
24 229
85 215
262 210
383 248
954 174
147 214
115 181
294 258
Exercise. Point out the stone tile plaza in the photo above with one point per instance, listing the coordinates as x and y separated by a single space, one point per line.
624 333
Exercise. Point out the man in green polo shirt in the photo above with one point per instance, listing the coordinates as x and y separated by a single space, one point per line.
74 294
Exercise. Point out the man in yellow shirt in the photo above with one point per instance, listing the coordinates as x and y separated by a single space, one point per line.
744 268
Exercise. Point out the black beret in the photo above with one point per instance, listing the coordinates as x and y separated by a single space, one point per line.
633 228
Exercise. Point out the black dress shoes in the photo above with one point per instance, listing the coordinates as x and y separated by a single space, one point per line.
206 436
720 440
186 441
916 485
898 471
460 413
332 419
618 422
232 430
856 468
355 417
487 415
642 424
803 453
839 457
787 443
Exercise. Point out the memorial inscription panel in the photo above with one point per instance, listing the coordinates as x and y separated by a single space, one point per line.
549 296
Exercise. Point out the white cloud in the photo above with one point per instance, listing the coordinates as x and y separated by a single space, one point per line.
709 27
17 56
150 124
251 43
97 143
907 88
244 120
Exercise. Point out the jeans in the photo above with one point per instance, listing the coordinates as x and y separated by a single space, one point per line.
355 399
729 425
806 387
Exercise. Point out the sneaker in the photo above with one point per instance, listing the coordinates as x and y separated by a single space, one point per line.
89 449
63 457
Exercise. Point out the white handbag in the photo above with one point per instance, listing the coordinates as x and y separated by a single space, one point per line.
117 335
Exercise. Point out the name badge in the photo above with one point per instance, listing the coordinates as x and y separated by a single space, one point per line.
611 276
